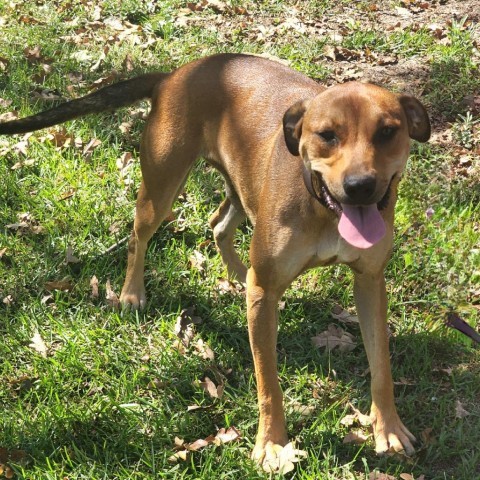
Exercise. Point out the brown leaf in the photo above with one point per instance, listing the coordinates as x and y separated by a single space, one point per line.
38 344
210 388
203 350
460 412
64 285
184 326
229 435
8 116
198 260
94 287
227 286
406 476
338 313
427 437
283 461
70 257
111 297
304 410
335 337
356 437
91 145
180 455
380 476
8 300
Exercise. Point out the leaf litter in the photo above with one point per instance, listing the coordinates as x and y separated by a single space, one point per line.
182 449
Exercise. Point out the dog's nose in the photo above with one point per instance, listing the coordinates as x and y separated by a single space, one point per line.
359 188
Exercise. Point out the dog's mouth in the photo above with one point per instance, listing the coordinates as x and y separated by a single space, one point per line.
361 226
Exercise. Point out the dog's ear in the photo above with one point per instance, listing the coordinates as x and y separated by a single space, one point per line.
292 126
417 117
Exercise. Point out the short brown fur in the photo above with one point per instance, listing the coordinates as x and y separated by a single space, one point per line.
229 109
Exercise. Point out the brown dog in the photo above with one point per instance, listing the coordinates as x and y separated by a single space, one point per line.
314 169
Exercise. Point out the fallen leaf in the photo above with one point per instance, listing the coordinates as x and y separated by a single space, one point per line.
229 435
70 257
335 337
197 445
38 344
224 285
8 300
111 297
94 287
8 116
460 412
356 417
184 326
304 410
284 460
427 437
406 476
356 437
203 350
380 476
213 390
64 285
338 313
197 261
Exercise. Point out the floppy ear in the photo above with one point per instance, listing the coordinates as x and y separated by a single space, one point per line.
417 118
292 125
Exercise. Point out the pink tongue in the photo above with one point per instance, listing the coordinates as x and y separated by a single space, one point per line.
361 227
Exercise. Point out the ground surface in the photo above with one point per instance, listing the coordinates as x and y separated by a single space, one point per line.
88 393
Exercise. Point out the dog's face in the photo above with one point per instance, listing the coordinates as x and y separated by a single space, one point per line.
354 140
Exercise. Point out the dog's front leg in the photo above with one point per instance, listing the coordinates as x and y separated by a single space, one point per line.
262 313
371 301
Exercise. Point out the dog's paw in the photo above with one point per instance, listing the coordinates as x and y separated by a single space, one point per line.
392 437
133 300
275 458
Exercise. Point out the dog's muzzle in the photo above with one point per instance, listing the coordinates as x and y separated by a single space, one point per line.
318 190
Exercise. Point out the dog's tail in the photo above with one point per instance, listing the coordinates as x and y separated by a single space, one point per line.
114 96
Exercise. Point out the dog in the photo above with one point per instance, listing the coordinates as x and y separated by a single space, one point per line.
314 169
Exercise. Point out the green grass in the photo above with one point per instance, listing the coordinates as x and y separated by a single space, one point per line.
113 391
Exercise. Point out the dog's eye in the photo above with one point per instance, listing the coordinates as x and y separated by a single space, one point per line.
386 133
328 136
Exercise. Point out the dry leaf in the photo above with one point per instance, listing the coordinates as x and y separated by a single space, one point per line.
356 436
8 300
203 350
94 287
460 412
210 388
226 286
427 437
111 297
406 476
335 337
38 344
197 260
284 460
64 285
380 476
338 313
229 435
90 146
304 410
70 257
184 326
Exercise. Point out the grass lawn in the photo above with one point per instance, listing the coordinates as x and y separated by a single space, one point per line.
88 393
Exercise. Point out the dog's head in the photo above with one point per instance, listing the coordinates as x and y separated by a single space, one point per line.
354 140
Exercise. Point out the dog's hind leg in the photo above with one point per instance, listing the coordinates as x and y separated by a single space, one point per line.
165 167
224 223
